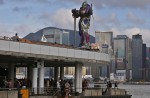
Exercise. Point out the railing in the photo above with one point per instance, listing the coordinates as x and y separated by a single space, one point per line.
43 91
51 91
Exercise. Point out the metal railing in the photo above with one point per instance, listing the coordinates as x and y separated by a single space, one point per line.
51 91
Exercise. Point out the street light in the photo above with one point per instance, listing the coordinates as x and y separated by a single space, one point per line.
75 14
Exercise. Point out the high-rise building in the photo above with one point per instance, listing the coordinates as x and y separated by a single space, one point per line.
121 47
144 62
129 60
137 57
147 69
121 52
105 40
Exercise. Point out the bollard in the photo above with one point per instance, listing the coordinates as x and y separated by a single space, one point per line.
19 93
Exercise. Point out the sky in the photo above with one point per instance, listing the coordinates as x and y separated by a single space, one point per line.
122 17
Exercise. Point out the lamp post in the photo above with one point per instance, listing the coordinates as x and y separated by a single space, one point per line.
75 14
74 31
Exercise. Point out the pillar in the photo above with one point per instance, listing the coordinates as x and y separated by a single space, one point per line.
41 77
34 78
29 72
61 72
11 73
56 73
78 78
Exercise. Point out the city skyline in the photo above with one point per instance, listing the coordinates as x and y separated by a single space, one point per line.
127 17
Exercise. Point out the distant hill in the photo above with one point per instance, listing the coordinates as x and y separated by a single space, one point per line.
38 35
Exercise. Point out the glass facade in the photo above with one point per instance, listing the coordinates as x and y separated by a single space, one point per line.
120 48
56 36
52 35
137 58
147 73
65 38
104 38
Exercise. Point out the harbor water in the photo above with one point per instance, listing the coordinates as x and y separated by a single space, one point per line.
137 91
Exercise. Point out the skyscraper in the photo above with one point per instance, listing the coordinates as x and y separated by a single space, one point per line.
121 51
137 57
105 40
147 73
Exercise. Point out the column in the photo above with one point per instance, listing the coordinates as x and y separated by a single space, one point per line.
34 78
56 73
29 72
41 77
78 78
61 72
11 73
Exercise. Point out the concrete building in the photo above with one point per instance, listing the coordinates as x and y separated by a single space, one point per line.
144 62
105 40
147 69
137 57
122 60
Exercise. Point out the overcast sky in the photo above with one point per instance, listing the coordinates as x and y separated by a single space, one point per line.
125 17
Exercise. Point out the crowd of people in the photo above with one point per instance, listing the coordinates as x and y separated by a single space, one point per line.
63 87
17 83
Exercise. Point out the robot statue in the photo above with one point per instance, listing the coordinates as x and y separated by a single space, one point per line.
84 13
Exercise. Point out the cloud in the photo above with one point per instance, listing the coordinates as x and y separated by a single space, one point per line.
20 9
107 22
21 29
1 2
61 18
4 30
134 18
33 1
44 1
141 4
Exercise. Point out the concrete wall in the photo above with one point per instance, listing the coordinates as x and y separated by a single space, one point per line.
26 49
118 92
43 97
93 92
8 94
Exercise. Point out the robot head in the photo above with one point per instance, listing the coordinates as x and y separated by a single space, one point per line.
84 4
